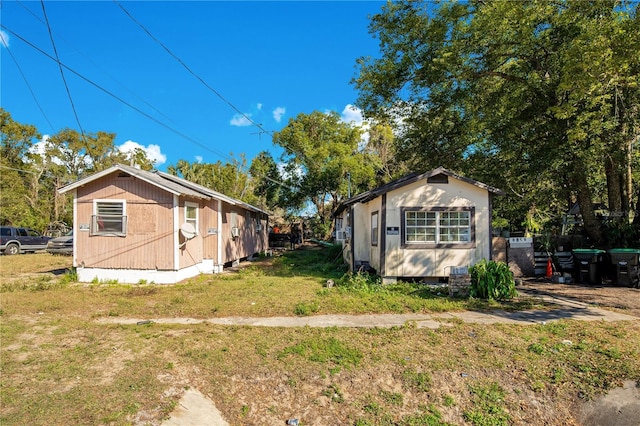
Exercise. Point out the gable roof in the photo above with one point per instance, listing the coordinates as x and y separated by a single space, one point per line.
170 183
408 179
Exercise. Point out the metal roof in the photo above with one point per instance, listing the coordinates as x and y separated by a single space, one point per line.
170 183
406 180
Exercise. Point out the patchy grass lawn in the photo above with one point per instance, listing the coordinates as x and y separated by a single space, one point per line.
61 367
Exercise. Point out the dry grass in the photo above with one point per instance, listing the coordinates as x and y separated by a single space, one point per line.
61 367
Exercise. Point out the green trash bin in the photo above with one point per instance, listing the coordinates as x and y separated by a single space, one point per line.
588 265
626 263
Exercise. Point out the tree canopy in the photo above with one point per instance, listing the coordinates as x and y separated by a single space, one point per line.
323 161
33 168
539 98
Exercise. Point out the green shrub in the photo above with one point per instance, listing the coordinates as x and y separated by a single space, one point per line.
492 280
361 282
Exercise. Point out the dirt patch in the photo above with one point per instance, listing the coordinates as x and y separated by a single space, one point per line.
623 299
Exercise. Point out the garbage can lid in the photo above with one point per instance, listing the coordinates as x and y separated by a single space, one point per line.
588 251
624 250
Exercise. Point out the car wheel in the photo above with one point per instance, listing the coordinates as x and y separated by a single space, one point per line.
12 249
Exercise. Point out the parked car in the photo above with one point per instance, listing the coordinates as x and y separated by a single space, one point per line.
61 245
21 240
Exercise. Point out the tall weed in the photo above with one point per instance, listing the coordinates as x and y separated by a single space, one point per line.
492 280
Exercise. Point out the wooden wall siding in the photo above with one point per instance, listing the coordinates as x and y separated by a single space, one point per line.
191 252
230 250
210 213
249 241
149 240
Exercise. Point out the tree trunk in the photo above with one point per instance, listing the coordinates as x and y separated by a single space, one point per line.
614 186
627 188
591 225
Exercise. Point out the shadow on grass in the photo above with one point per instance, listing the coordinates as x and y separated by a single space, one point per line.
539 316
309 259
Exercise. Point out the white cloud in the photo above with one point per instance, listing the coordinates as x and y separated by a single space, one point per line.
241 120
351 114
4 38
199 159
39 147
259 107
153 151
278 113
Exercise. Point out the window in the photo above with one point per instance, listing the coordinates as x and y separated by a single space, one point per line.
191 214
374 228
109 218
454 227
438 226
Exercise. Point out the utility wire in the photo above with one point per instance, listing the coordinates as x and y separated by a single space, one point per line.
64 80
24 77
155 120
18 170
259 126
79 51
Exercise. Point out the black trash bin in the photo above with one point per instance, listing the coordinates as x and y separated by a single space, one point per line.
588 265
626 264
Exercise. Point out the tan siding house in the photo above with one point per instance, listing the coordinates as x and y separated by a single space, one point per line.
419 226
133 226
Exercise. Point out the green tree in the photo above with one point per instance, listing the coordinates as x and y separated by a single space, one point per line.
33 168
229 179
268 184
323 160
538 97
384 153
20 189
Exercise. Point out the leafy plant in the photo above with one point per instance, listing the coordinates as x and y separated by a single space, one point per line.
361 281
492 280
306 309
500 223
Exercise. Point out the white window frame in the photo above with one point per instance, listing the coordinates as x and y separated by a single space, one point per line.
435 227
193 221
97 219
374 228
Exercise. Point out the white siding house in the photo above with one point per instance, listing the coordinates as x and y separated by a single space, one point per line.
418 226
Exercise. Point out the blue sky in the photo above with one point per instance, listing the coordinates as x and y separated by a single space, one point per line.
264 60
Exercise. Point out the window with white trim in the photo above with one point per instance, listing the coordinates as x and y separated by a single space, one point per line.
191 214
109 217
438 226
374 228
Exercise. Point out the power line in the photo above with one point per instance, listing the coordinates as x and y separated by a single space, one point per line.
174 56
155 120
64 80
79 52
24 77
18 170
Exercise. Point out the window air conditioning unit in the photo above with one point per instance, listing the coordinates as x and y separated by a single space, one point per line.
235 232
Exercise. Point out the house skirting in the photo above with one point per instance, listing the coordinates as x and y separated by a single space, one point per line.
148 276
